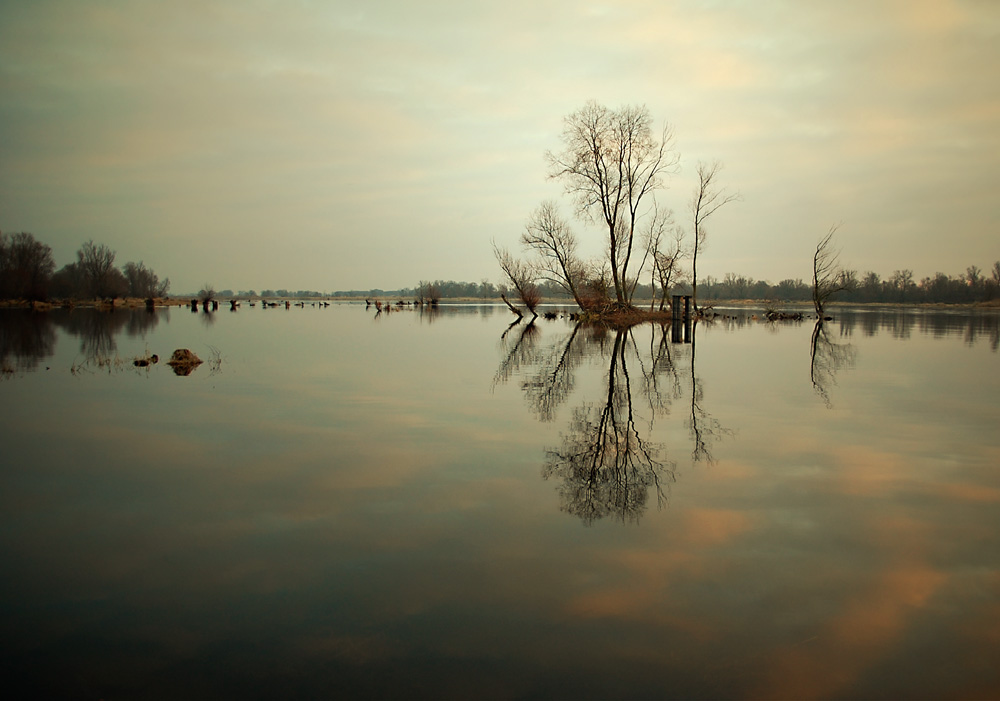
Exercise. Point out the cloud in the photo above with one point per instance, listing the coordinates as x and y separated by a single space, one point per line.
424 127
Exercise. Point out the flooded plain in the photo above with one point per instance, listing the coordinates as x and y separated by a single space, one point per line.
438 504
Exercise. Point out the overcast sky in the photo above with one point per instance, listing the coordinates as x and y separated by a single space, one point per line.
354 145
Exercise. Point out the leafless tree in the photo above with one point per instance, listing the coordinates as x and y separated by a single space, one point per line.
26 267
97 264
428 292
521 276
207 293
549 235
707 200
828 277
993 282
143 282
664 243
610 163
902 282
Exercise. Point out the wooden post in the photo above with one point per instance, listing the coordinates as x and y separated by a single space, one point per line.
675 307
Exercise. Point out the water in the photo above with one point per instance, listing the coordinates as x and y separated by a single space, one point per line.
432 505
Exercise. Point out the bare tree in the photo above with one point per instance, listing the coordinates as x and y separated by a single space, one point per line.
549 235
707 200
664 248
521 276
993 282
902 282
610 163
26 267
143 282
97 265
828 277
207 293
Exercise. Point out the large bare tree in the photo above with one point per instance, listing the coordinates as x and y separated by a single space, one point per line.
611 163
707 200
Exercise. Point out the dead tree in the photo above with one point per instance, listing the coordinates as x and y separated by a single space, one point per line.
828 277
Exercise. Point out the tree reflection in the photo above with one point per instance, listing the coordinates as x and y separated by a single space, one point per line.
554 381
517 350
827 358
606 465
97 329
706 430
662 382
25 338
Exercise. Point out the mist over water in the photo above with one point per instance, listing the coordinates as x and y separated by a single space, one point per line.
439 504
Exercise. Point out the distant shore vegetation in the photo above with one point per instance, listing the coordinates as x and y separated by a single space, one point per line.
28 274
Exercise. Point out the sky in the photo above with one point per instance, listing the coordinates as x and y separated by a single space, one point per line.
374 144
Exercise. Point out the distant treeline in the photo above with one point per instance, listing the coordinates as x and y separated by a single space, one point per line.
27 271
971 286
901 287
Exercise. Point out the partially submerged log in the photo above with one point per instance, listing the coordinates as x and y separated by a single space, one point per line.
511 306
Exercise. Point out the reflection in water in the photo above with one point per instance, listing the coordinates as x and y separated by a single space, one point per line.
902 323
25 338
517 347
607 461
347 515
606 465
97 329
827 358
705 428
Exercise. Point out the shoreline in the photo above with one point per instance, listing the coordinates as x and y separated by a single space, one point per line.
641 311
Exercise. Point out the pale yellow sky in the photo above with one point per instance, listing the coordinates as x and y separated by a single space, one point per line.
352 145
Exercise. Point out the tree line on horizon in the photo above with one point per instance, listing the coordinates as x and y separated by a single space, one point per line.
901 287
28 272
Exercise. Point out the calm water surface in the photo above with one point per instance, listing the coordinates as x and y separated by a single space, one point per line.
422 505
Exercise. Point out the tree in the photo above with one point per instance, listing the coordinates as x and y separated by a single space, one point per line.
993 283
26 267
207 293
610 163
665 255
902 282
101 277
143 282
828 277
69 281
707 200
549 235
521 275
